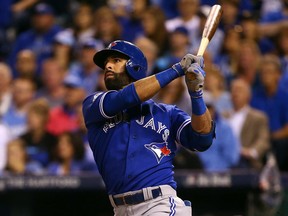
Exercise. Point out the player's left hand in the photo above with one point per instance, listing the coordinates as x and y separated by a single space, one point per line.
189 59
194 78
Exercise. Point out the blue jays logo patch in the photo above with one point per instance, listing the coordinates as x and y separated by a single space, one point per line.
112 45
159 150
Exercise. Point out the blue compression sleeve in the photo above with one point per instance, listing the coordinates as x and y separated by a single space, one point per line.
196 141
116 101
170 74
198 106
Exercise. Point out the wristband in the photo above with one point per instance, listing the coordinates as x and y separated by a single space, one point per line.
198 106
178 68
166 76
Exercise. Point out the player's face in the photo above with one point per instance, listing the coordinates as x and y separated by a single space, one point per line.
115 73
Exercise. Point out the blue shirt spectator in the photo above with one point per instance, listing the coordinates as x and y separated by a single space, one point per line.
225 151
84 69
275 106
40 38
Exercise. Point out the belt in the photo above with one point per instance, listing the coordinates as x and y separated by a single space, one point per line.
132 199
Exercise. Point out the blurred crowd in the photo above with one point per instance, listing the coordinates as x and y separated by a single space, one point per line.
47 69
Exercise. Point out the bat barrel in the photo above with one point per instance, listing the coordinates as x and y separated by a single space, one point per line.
212 21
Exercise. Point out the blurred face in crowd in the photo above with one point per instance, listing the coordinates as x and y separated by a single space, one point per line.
74 96
23 91
16 156
86 56
106 22
26 63
232 40
83 18
6 77
269 73
65 149
230 11
43 22
116 76
148 47
52 74
240 93
138 6
178 41
249 29
149 23
214 80
188 8
247 55
283 40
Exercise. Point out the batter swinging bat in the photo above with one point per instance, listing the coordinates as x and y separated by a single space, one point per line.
211 25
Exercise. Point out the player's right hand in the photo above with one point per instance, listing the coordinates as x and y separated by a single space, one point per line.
194 78
189 59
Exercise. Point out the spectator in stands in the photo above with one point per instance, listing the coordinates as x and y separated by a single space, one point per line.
39 143
84 68
39 38
64 118
150 50
268 6
272 100
250 27
17 161
26 66
153 23
282 44
216 86
23 92
271 23
5 88
187 17
130 17
225 152
169 7
5 138
228 58
179 45
63 47
107 26
230 16
249 57
69 156
52 76
14 17
250 127
83 23
82 132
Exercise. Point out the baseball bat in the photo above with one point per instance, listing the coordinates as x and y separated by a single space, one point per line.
210 27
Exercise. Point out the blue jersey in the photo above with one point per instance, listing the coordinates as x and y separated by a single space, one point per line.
135 148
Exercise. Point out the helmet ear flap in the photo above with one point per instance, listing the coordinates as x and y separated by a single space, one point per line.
134 69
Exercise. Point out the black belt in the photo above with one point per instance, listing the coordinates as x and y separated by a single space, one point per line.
132 199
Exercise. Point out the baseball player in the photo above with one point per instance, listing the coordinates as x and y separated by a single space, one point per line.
133 139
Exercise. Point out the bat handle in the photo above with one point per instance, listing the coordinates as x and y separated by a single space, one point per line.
203 46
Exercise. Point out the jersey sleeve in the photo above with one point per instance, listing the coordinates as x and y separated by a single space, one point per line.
104 105
186 136
93 108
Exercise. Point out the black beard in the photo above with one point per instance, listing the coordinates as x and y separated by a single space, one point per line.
118 81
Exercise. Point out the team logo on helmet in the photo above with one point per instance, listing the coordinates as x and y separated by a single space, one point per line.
112 45
159 150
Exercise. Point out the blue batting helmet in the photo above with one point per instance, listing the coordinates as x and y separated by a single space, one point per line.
136 65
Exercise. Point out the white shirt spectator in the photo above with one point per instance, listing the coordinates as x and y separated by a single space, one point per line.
5 138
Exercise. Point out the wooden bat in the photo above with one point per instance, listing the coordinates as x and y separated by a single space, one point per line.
211 25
